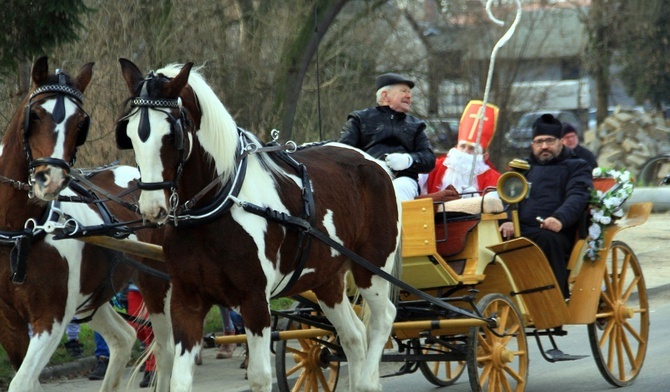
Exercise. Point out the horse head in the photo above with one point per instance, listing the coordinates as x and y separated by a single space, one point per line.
54 124
159 130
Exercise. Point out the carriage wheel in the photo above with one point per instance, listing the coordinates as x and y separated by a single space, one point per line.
498 361
620 334
440 373
654 170
306 359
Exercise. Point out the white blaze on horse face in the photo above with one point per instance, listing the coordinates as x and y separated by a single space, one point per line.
153 204
50 180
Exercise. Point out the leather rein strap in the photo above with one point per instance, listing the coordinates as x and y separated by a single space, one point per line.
306 227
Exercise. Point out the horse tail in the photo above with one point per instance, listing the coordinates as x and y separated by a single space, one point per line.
146 354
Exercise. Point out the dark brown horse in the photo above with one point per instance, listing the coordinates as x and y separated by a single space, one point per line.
45 282
230 205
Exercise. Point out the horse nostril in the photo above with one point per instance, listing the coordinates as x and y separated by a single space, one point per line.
162 213
41 178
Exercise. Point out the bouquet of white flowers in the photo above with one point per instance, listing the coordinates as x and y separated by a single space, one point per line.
606 207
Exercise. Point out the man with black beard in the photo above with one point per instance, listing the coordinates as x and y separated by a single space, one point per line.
559 194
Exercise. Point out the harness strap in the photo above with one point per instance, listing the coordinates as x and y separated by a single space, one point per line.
18 259
301 224
82 179
304 241
18 185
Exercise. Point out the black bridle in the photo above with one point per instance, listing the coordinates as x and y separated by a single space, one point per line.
62 91
142 104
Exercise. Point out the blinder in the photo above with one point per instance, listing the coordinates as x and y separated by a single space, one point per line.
63 91
123 142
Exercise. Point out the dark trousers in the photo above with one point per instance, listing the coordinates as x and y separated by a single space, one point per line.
557 248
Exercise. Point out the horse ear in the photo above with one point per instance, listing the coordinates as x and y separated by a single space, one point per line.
173 89
40 71
84 78
131 74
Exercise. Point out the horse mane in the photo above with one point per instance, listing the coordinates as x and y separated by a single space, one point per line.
218 134
218 131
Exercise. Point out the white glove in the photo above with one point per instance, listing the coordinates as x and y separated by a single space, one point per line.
398 161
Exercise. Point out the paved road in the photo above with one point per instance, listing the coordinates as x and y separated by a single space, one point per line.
650 242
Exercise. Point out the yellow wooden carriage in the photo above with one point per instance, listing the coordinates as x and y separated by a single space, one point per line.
453 251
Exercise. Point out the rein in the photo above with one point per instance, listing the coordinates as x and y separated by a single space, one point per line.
18 185
247 148
306 227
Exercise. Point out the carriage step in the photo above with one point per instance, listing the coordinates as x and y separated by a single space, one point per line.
557 355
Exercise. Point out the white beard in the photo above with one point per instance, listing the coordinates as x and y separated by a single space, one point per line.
459 166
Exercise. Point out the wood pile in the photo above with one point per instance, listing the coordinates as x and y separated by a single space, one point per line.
628 139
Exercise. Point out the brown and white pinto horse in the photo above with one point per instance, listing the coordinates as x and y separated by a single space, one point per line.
199 171
45 282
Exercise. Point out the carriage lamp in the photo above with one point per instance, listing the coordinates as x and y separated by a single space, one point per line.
512 188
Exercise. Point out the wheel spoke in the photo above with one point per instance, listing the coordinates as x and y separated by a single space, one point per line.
505 381
297 367
625 344
619 354
300 382
323 382
633 332
630 289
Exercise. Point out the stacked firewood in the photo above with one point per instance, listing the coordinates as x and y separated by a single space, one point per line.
628 139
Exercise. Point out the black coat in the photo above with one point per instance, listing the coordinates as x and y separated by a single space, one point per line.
587 155
558 188
380 130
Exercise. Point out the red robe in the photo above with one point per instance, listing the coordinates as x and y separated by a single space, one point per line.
434 181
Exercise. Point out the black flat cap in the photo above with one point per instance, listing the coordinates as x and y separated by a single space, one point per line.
388 79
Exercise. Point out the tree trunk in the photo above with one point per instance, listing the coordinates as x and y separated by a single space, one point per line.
298 56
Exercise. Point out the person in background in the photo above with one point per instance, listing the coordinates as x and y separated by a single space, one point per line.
226 350
145 333
102 358
72 346
570 139
558 198
387 132
456 167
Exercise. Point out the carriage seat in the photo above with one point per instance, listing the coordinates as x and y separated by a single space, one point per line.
455 219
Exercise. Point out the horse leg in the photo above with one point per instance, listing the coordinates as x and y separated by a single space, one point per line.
256 315
163 347
156 295
13 334
352 334
120 337
382 315
188 311
15 340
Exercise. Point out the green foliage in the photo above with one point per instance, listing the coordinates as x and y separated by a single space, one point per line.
29 28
